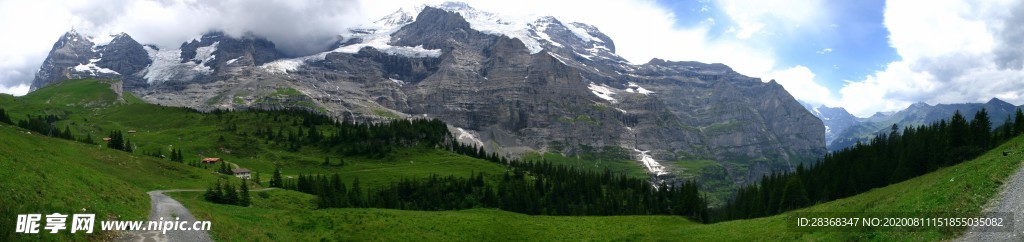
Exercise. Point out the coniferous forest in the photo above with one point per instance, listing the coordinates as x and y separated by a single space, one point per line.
345 138
542 188
528 187
547 190
888 158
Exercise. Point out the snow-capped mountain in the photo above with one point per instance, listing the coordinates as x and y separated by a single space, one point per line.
75 55
515 85
836 120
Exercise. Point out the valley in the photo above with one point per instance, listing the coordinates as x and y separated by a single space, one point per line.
510 121
278 214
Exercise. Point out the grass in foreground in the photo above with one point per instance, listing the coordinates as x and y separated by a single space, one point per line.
48 175
966 187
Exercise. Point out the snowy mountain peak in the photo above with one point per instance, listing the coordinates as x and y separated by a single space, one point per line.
452 6
398 18
585 32
74 38
117 38
73 35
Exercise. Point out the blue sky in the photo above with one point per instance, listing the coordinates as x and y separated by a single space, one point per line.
875 55
854 44
865 56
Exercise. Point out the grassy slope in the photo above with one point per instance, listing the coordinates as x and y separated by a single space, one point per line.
964 188
53 175
48 175
161 128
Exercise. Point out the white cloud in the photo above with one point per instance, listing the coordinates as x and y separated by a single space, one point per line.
952 51
824 51
28 36
799 82
753 17
18 90
879 92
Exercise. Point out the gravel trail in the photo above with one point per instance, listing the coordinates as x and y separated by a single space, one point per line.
165 207
1011 199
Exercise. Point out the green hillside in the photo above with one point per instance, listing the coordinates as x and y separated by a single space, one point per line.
45 175
89 108
48 175
963 188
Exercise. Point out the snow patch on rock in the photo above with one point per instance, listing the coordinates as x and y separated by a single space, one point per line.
92 68
602 91
581 33
205 53
283 66
634 88
396 81
466 136
378 35
652 165
166 66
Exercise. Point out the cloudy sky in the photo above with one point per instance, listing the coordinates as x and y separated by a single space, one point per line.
866 56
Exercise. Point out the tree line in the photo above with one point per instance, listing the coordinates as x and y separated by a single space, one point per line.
45 125
223 192
309 129
119 142
4 118
538 188
531 188
886 159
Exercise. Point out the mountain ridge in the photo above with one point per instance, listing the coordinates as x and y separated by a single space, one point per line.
488 77
845 130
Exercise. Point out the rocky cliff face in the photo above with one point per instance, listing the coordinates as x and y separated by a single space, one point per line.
836 120
75 56
514 87
124 55
72 49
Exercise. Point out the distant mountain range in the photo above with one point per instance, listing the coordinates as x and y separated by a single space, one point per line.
844 130
511 85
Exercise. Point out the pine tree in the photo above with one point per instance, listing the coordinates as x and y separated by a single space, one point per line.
244 200
88 139
1007 128
67 133
213 193
1018 123
224 168
128 146
356 194
4 118
230 194
116 142
958 130
275 180
981 129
